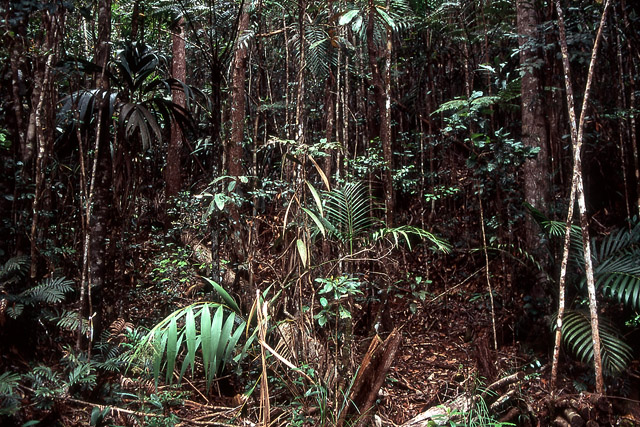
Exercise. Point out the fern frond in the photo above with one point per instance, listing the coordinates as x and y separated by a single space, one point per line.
71 321
347 210
51 291
407 231
13 270
576 335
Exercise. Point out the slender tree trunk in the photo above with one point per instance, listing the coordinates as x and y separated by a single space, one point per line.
234 148
382 85
300 119
534 132
99 197
44 124
173 176
577 192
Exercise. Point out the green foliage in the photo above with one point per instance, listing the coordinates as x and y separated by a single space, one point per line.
616 274
51 290
13 271
9 395
616 261
347 213
142 104
337 290
187 330
576 334
409 233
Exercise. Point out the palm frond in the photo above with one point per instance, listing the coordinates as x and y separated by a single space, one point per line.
188 330
407 232
576 334
347 212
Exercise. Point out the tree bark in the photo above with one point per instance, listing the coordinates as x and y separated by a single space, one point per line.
173 176
534 132
234 149
44 124
381 81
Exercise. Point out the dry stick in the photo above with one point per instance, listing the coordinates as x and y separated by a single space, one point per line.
486 263
577 191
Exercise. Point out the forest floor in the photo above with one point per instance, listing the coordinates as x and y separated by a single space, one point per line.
447 350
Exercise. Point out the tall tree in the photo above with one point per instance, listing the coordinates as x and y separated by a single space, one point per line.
234 151
179 71
381 81
534 132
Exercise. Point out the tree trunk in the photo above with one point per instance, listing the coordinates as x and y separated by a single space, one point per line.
534 132
44 124
577 191
381 82
234 149
179 71
98 200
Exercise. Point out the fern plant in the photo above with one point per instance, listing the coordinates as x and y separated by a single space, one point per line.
9 396
51 290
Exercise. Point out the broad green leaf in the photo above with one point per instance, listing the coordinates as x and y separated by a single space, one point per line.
190 332
216 331
220 200
205 332
232 342
316 198
316 221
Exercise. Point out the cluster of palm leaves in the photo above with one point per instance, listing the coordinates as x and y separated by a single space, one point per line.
346 214
616 261
209 331
138 97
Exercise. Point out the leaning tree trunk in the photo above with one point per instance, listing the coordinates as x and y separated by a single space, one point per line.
577 191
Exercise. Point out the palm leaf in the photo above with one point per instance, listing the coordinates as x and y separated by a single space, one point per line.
347 210
218 339
576 333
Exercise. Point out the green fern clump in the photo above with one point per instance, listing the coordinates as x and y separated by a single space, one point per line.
616 262
50 291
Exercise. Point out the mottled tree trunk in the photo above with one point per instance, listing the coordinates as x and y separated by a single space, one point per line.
43 124
577 192
234 150
99 200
